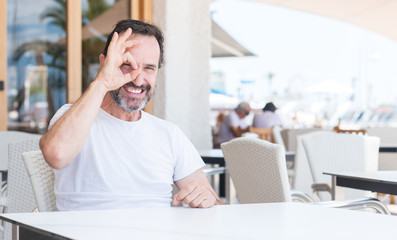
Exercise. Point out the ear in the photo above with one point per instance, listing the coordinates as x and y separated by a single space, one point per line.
101 58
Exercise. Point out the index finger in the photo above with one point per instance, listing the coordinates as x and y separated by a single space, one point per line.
125 35
185 191
128 44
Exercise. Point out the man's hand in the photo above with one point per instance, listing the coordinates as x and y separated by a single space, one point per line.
195 195
196 191
118 54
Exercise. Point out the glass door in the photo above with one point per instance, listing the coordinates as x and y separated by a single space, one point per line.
3 66
36 78
36 54
98 19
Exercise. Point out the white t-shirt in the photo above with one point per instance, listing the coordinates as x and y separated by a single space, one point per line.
231 120
125 164
267 119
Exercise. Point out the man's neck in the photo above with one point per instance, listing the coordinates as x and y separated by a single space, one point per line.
109 106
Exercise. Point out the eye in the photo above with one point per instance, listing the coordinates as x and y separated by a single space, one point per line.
126 67
149 68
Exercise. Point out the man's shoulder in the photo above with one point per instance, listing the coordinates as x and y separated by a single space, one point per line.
157 121
269 113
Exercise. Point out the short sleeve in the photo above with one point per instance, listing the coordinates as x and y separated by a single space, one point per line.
234 120
59 114
188 159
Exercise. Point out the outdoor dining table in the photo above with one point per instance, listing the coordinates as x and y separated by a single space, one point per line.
377 181
388 149
286 220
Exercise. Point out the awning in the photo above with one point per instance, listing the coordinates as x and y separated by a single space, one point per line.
223 45
377 15
102 25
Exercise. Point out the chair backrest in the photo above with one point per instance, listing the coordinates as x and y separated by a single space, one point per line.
278 138
42 179
341 153
7 137
258 170
352 131
263 133
303 178
387 135
337 129
290 136
19 196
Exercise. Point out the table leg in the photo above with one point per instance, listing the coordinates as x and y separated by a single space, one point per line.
333 190
222 185
15 232
227 188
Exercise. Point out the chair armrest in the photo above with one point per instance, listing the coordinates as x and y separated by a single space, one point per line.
214 171
3 202
298 196
321 187
361 203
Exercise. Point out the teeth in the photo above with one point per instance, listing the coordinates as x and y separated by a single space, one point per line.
134 90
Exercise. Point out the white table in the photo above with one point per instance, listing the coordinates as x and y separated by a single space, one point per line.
388 148
249 221
378 181
215 156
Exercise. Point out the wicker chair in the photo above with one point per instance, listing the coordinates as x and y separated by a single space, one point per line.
259 174
42 179
341 153
258 170
337 129
19 196
303 175
263 133
7 137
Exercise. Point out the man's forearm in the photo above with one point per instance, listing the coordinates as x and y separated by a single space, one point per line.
66 138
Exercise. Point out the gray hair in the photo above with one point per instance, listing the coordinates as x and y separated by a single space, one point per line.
244 106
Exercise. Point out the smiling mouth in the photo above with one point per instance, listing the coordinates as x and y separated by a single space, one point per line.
133 90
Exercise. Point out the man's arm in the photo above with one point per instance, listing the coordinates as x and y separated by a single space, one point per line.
236 131
235 124
65 139
61 144
196 191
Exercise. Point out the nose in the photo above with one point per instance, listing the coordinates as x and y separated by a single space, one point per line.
139 79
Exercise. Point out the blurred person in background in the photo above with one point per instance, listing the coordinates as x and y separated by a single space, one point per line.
234 124
268 118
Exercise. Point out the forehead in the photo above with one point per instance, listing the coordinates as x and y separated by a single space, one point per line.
145 45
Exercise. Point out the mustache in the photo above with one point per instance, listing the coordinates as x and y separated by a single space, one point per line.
144 86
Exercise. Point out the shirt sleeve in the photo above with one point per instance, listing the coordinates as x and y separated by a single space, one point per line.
188 159
59 114
234 119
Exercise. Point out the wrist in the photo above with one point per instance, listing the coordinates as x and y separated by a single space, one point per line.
98 86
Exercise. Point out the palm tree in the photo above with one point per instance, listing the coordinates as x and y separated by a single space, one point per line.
57 51
56 15
92 46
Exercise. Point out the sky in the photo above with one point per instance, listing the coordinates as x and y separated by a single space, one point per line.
301 49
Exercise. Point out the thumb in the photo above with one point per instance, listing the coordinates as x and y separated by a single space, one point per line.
176 201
